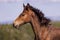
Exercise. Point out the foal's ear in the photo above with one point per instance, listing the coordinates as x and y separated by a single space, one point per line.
23 5
28 4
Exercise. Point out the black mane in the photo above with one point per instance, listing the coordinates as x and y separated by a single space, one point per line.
43 20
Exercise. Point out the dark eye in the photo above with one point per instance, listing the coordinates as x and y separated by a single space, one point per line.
22 14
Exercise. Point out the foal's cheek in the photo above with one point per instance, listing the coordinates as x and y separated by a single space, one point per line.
27 19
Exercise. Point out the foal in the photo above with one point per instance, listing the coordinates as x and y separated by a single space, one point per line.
40 24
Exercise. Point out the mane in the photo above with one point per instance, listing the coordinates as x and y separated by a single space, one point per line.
43 20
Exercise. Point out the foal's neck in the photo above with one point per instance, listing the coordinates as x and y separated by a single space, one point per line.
36 26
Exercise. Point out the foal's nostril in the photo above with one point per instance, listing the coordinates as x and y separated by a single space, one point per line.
15 26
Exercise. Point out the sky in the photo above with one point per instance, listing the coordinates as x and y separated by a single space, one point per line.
11 9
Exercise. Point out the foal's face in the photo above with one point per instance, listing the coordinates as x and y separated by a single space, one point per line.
25 17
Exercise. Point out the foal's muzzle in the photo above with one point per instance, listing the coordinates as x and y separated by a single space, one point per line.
15 26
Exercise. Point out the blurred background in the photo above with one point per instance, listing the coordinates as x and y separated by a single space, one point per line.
11 9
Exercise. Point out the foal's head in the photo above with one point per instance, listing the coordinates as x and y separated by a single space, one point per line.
24 17
27 14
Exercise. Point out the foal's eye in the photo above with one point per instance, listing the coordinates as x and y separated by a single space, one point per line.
22 14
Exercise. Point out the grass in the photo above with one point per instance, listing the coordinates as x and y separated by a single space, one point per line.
56 24
7 32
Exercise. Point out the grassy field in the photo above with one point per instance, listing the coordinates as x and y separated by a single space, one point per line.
7 32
